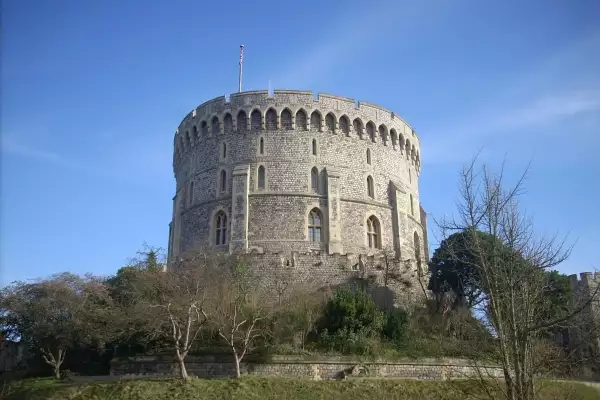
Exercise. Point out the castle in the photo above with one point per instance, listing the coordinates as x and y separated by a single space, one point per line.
300 180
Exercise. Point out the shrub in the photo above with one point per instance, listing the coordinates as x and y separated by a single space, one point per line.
350 323
396 326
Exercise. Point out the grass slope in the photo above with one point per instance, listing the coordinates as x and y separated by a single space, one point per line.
274 388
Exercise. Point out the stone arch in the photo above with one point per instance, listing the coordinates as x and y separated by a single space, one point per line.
370 187
330 122
407 149
383 134
371 131
204 128
219 227
314 147
286 119
256 120
358 127
394 137
401 143
215 125
242 122
222 181
261 145
315 225
227 123
195 132
271 120
187 139
369 158
261 178
373 232
345 125
314 179
412 154
301 120
418 161
315 120
223 151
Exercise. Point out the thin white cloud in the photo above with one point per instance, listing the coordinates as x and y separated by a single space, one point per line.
9 145
530 119
350 36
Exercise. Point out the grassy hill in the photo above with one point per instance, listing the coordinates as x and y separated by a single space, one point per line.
274 388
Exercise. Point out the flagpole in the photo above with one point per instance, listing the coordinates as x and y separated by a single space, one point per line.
241 63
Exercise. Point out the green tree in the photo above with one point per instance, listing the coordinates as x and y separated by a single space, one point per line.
57 314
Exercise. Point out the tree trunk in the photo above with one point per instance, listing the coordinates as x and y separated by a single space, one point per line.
182 369
238 374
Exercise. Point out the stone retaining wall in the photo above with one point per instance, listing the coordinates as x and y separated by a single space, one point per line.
303 367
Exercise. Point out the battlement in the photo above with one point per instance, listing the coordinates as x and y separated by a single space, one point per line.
585 279
283 110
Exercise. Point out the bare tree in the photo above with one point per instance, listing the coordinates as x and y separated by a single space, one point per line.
240 308
510 261
171 305
56 314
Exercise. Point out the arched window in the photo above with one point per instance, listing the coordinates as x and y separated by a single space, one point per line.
413 154
407 149
344 125
314 147
358 127
301 120
228 123
371 131
370 187
195 131
373 233
315 121
261 145
401 143
271 120
223 183
286 119
220 228
369 156
215 126
242 122
383 134
412 207
417 244
255 120
330 123
223 150
314 226
394 137
191 195
261 177
204 128
314 179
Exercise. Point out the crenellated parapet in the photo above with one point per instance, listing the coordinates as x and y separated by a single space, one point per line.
253 112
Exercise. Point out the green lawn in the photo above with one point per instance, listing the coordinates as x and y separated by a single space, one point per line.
273 388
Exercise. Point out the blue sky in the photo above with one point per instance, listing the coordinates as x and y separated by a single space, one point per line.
92 92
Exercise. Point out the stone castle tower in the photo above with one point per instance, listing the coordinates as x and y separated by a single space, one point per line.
298 179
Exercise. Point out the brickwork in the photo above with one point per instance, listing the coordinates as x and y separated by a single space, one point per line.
218 153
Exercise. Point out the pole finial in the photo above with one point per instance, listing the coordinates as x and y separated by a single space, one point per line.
240 71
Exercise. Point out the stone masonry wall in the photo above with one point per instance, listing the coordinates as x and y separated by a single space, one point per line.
321 368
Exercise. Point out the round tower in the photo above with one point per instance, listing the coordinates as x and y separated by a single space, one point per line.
296 173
